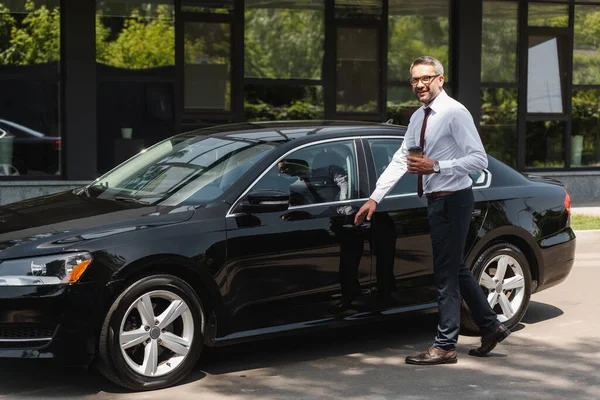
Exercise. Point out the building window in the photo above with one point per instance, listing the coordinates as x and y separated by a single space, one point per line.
414 29
30 142
283 59
544 144
586 54
284 40
498 125
543 14
545 69
357 70
135 35
499 38
585 139
207 73
135 56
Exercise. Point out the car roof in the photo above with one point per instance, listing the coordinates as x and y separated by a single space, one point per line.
284 131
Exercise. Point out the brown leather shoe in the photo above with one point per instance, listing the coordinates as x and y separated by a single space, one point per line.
489 341
433 356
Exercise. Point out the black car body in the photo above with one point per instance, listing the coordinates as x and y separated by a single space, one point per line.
258 261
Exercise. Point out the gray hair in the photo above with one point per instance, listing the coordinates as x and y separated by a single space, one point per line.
428 60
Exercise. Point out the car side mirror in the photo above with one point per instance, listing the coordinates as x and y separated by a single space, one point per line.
263 201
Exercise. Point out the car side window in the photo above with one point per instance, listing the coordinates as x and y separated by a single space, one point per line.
382 151
322 173
481 178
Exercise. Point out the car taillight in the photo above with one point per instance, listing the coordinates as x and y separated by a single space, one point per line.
56 145
567 202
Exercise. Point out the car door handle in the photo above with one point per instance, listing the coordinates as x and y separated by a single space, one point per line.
475 213
363 225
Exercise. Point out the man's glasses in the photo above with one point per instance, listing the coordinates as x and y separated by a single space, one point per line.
427 79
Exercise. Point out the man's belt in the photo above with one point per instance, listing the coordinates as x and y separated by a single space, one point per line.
435 195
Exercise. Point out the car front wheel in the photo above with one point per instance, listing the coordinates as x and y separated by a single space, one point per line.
505 278
152 335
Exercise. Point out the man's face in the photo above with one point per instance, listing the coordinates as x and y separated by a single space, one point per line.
426 92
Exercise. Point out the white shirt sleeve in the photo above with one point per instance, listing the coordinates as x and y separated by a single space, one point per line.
467 138
394 171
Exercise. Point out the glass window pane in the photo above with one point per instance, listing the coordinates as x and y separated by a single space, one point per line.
383 151
30 35
283 102
416 29
555 15
402 103
498 125
544 144
586 54
544 84
357 69
135 35
202 6
585 142
207 75
30 141
131 116
358 9
284 40
499 42
322 173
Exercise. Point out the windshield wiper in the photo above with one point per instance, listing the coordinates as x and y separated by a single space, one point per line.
130 200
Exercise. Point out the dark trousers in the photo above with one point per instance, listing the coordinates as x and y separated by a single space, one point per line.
449 219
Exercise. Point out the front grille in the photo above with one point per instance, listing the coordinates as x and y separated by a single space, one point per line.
11 332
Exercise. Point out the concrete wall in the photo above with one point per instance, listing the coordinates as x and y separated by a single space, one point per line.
22 190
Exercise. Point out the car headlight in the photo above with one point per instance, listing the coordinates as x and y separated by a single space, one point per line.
46 270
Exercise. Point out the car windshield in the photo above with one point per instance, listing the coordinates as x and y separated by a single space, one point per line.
182 170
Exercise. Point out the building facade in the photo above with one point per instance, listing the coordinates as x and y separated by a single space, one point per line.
85 84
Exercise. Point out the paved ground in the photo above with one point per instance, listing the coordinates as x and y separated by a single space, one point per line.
553 354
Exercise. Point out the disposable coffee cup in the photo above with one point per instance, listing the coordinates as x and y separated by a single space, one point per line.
415 151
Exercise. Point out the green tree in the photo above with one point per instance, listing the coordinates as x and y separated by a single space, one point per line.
36 40
143 42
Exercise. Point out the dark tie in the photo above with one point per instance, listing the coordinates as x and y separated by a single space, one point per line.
422 144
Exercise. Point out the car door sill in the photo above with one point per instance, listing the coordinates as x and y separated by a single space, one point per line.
332 322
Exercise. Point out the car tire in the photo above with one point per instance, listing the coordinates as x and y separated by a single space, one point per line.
510 300
140 354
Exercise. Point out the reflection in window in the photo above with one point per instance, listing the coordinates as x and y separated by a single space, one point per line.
498 125
544 86
283 102
29 32
544 144
30 142
207 71
499 42
416 29
284 40
321 173
554 15
357 69
402 103
358 9
135 35
383 151
586 54
585 142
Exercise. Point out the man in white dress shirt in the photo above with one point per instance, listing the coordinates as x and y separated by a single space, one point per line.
452 149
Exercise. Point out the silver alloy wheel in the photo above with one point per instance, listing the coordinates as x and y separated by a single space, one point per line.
155 345
503 280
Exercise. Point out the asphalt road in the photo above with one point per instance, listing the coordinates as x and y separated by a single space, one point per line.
553 354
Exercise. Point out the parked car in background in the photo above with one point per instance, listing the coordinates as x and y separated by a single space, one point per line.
236 232
24 151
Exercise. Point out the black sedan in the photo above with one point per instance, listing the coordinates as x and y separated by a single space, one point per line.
236 232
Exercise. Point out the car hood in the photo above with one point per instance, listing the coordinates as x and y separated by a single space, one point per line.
50 224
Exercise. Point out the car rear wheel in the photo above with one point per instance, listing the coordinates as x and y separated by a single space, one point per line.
152 335
505 278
